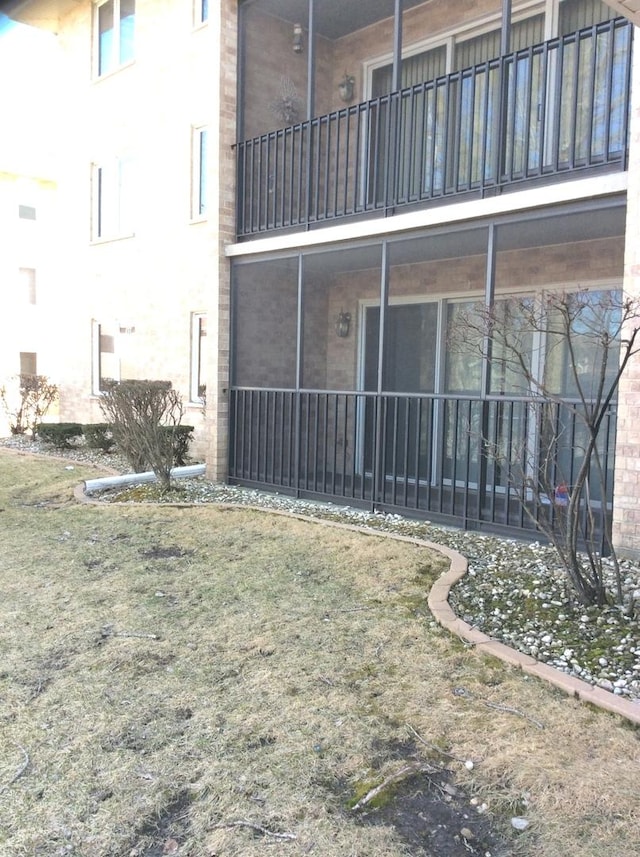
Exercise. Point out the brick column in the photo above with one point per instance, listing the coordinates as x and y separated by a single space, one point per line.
223 23
626 507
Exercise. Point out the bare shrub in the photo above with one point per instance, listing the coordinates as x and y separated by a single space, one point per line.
564 354
145 418
26 399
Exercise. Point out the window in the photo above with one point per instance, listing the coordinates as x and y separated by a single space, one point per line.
199 174
583 342
26 212
200 12
114 34
105 364
28 363
575 14
27 285
198 357
113 199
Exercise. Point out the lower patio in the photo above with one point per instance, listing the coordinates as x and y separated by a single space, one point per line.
359 374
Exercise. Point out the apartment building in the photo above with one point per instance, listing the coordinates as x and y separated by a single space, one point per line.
31 309
136 248
325 190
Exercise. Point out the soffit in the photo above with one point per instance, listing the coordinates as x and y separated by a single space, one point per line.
333 18
45 14
629 8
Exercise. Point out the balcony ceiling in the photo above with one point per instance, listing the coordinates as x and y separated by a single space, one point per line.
628 8
337 18
45 14
334 18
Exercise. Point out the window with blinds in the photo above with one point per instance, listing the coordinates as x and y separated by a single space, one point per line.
432 63
487 46
576 14
427 65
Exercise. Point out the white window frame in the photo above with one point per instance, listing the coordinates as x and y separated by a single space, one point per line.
105 65
198 374
113 199
27 284
200 12
199 177
96 355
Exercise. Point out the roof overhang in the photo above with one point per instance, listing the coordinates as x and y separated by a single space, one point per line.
44 14
47 13
629 8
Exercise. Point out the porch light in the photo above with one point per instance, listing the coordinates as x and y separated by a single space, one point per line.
343 324
297 39
345 87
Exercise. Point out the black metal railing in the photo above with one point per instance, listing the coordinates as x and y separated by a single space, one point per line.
547 110
463 460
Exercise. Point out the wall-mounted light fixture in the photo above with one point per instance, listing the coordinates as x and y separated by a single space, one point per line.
297 39
345 87
343 324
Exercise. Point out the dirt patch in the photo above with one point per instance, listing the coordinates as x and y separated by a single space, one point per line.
419 800
168 552
436 819
164 835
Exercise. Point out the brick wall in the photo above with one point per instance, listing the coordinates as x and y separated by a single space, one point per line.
222 81
626 510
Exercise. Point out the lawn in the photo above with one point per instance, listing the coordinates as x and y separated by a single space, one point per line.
205 681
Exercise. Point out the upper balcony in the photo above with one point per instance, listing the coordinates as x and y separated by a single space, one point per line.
360 114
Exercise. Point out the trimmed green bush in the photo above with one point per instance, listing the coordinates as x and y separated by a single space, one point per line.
59 435
99 436
181 436
140 412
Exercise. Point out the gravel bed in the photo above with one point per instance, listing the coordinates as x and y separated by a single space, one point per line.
514 591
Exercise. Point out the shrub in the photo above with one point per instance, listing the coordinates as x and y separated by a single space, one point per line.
99 436
180 437
59 435
26 400
144 416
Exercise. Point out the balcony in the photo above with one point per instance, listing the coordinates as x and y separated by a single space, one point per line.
418 455
541 114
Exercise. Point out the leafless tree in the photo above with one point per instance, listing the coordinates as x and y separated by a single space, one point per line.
563 353
26 400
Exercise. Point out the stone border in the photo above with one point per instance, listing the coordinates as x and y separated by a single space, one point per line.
438 601
581 690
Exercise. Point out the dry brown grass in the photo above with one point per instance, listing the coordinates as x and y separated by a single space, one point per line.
166 673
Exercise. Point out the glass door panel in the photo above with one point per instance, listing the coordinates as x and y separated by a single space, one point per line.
593 66
411 337
418 125
461 421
